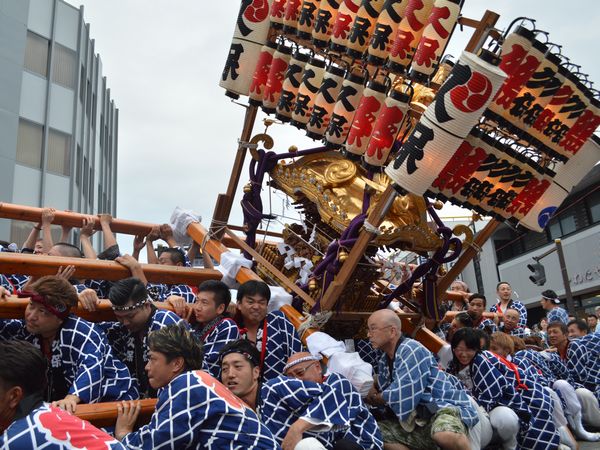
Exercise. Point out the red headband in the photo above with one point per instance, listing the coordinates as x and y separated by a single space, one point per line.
61 311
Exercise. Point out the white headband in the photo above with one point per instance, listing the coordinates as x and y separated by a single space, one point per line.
288 366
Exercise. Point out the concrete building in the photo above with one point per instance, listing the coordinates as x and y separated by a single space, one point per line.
507 253
58 123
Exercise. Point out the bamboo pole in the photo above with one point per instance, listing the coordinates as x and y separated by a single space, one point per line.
105 414
39 265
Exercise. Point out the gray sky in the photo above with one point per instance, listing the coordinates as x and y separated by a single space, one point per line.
177 130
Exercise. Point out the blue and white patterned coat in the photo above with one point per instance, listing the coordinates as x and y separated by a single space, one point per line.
49 428
284 400
415 379
536 360
489 324
583 362
17 281
367 353
6 284
213 341
160 292
558 315
82 362
363 427
196 411
132 348
514 304
541 433
282 342
518 332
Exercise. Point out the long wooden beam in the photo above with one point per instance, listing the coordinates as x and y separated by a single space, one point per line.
38 265
74 219
105 414
14 308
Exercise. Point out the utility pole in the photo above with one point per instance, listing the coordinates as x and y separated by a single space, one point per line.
565 277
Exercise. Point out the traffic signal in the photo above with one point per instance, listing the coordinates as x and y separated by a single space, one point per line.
539 273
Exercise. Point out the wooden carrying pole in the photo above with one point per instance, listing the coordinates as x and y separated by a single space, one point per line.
14 308
73 219
38 265
105 414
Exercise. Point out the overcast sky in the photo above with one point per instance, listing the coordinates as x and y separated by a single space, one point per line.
177 130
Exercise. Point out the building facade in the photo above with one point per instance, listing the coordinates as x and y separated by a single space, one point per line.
58 122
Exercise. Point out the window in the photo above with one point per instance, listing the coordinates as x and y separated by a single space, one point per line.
59 153
64 66
594 205
36 54
79 163
91 188
29 143
574 218
85 176
81 84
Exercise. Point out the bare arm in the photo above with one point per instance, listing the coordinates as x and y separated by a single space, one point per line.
87 230
33 236
47 218
150 238
109 237
166 234
134 267
138 244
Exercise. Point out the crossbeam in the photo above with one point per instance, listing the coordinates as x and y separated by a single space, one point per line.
105 414
39 265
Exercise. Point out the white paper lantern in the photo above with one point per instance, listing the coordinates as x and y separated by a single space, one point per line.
362 27
386 129
293 78
325 101
324 21
385 30
438 30
464 96
344 109
306 20
368 109
567 177
292 13
277 71
582 129
307 92
278 13
408 35
342 24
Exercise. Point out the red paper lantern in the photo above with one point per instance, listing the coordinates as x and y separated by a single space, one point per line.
386 129
342 24
293 78
409 32
274 86
277 13
325 101
312 78
344 109
385 29
362 125
261 74
292 13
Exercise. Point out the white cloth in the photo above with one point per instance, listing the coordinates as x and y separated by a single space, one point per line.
279 297
324 344
230 266
309 444
445 356
180 220
358 372
558 414
481 434
589 407
505 424
567 392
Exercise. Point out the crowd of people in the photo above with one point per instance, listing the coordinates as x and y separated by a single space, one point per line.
235 374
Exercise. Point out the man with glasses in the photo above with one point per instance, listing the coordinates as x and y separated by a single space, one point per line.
423 405
136 317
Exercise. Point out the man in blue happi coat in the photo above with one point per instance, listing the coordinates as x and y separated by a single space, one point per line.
302 415
504 292
194 410
136 317
428 409
550 303
81 364
26 421
273 334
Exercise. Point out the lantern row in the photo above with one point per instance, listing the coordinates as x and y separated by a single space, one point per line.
541 101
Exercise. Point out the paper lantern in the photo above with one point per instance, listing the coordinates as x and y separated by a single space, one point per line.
293 78
312 77
292 13
274 86
325 101
466 93
438 30
250 34
567 177
324 21
342 24
277 13
583 128
362 27
386 129
344 109
261 74
518 77
515 48
385 30
427 149
370 104
409 32
306 20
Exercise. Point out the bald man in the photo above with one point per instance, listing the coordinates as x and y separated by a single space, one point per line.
416 392
363 432
511 326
